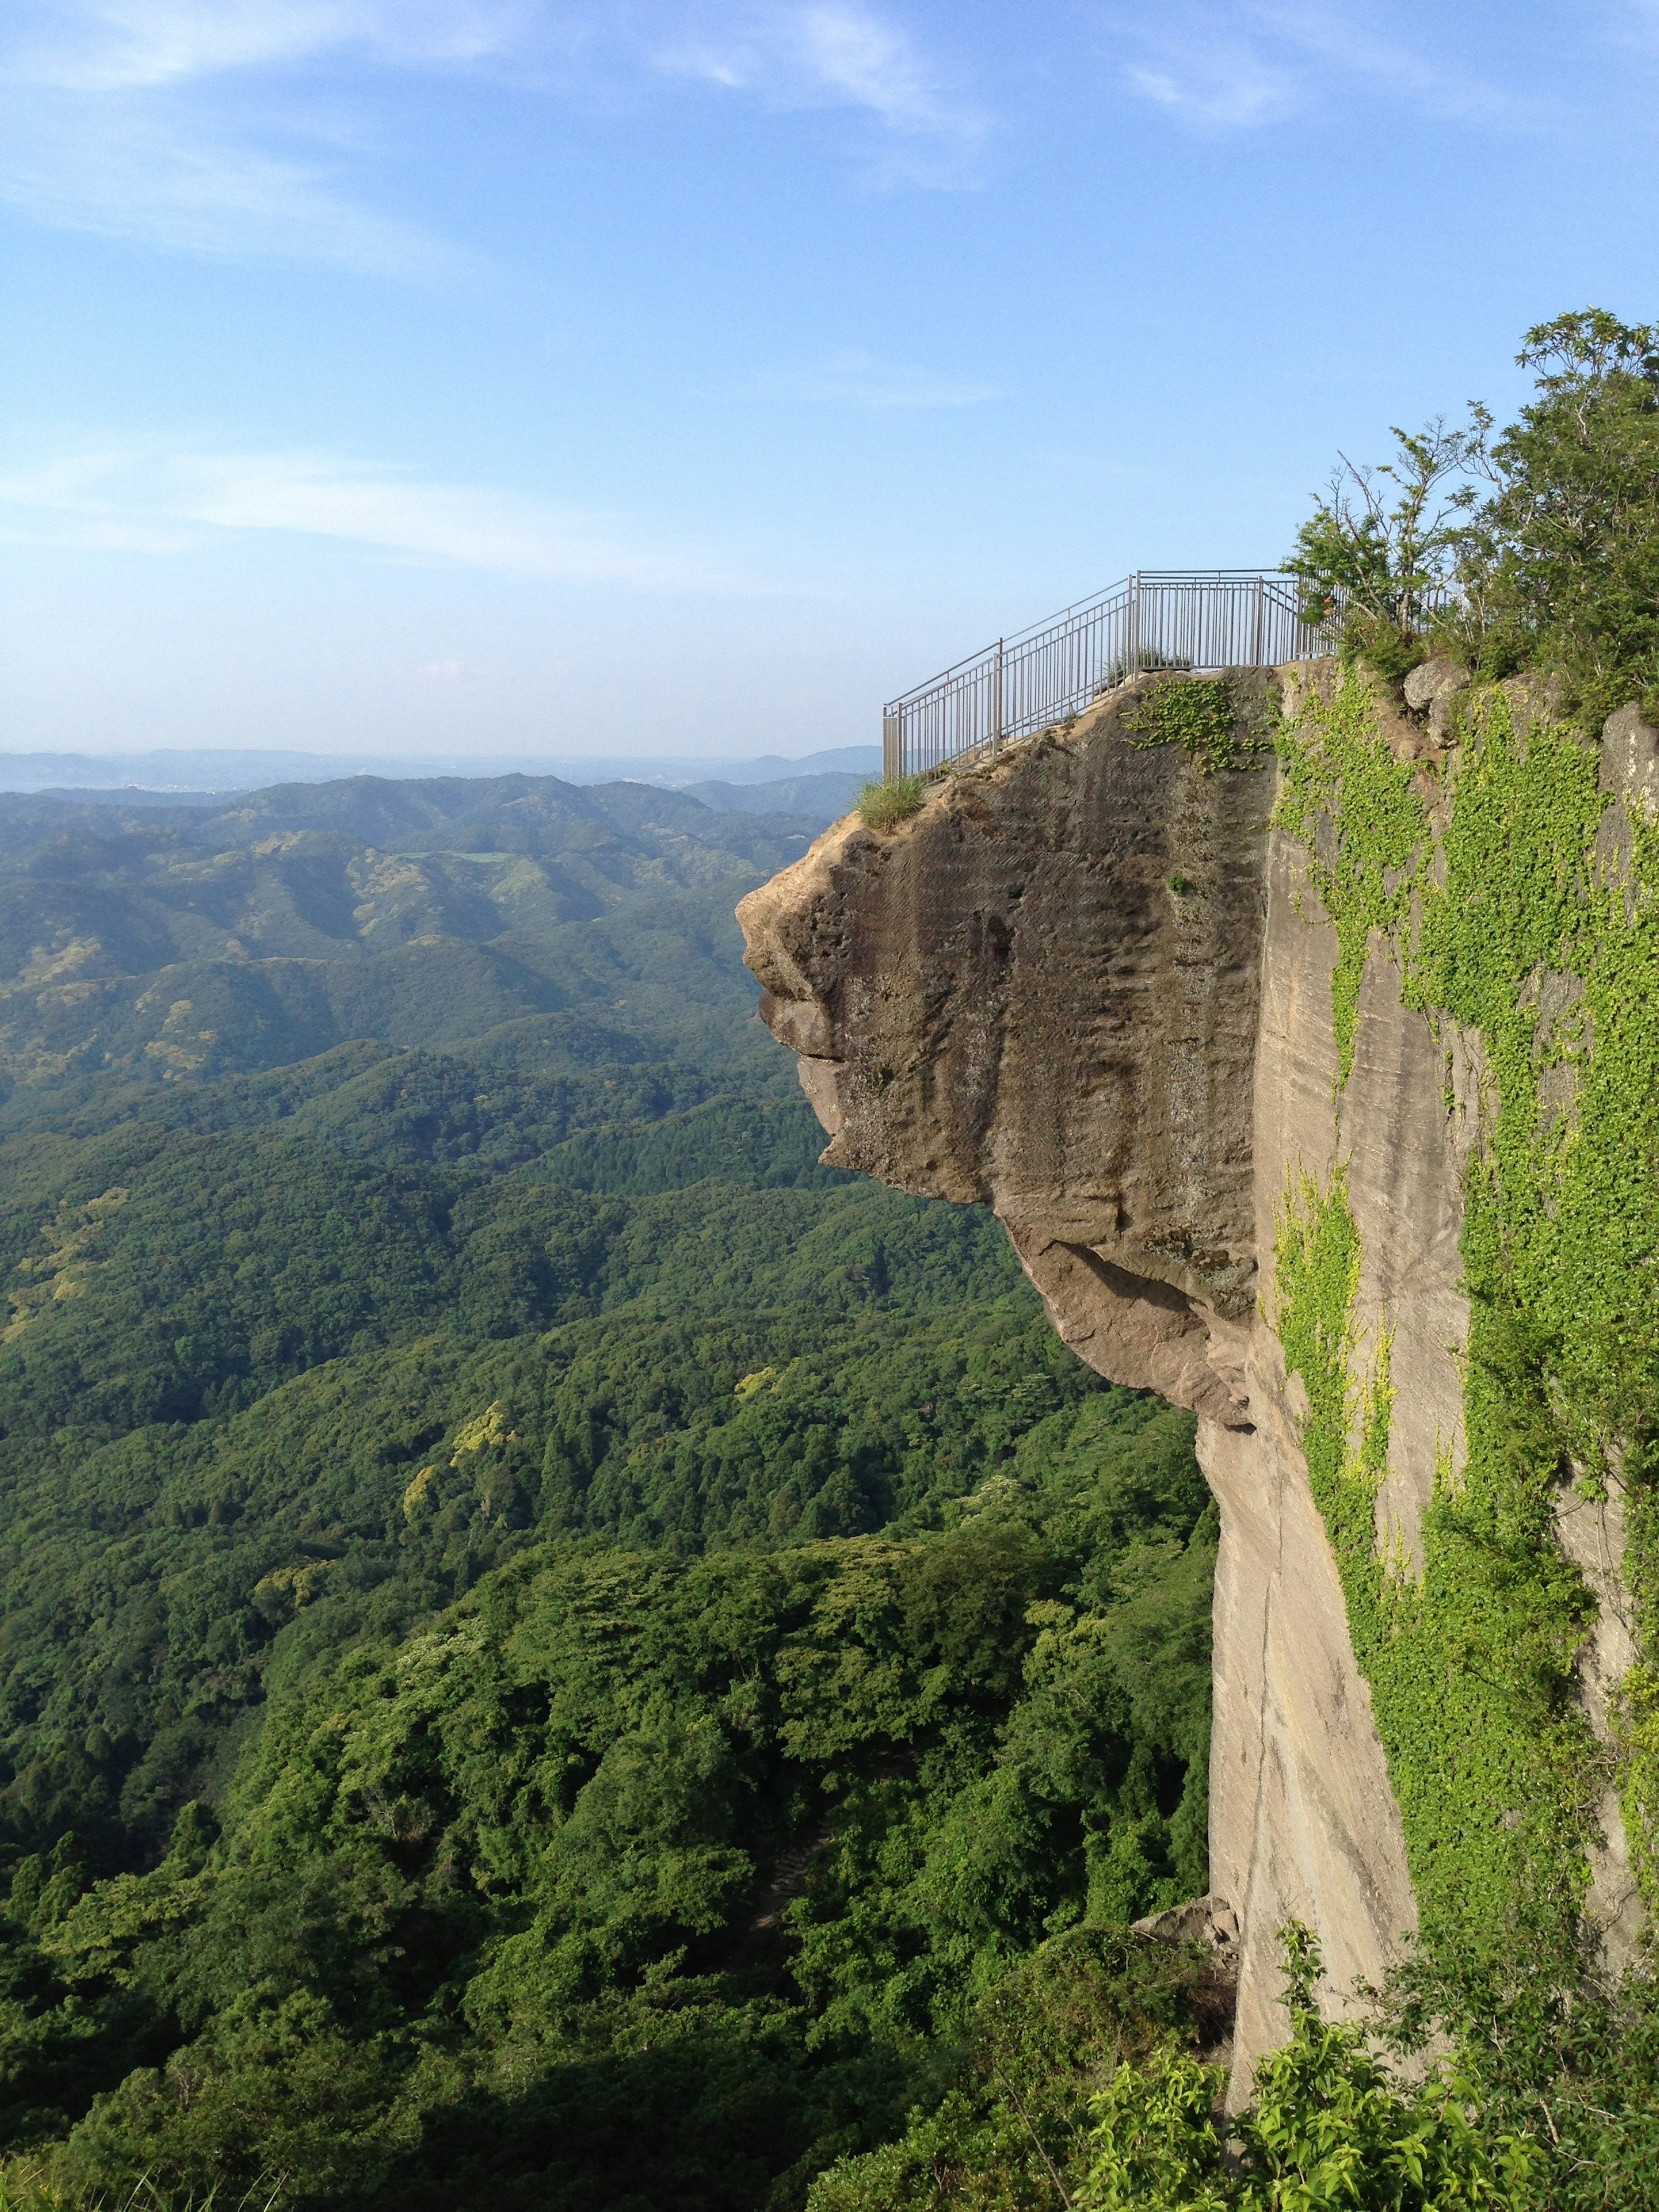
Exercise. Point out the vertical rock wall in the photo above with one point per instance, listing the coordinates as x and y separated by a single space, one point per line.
1089 986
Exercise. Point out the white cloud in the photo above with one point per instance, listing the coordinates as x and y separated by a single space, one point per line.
1418 72
1226 88
177 183
859 379
145 499
104 45
192 125
155 120
838 53
1243 67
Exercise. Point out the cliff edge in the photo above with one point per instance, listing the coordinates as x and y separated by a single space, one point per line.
1175 1013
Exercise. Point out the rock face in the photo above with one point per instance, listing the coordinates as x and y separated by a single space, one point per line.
1043 994
1089 986
1076 987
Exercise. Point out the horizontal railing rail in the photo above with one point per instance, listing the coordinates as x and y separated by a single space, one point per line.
1187 619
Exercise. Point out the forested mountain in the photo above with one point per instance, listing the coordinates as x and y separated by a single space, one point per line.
552 1650
143 947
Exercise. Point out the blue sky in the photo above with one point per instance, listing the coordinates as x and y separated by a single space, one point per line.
486 377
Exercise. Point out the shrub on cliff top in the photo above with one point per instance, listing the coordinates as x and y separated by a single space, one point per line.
884 806
1556 568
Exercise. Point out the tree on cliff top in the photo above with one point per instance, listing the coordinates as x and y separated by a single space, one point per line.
1383 542
1557 566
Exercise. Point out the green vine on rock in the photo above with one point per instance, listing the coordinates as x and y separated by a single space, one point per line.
1355 808
1533 937
1552 957
1197 712
1469 1658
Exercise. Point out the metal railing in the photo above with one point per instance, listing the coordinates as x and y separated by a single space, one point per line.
1174 618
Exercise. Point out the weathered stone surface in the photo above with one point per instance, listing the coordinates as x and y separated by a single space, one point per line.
1041 994
1207 1919
1092 988
1009 1000
1303 1823
1433 684
1592 1533
1403 1148
1629 770
1630 760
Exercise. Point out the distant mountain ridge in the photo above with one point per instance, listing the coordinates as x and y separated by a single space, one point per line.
155 944
185 774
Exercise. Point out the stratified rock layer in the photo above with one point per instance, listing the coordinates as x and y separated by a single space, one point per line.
1091 985
1043 994
1083 986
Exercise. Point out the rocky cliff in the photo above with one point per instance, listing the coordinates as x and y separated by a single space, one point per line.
1192 1020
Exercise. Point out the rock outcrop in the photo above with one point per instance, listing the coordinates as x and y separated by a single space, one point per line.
1043 994
1088 985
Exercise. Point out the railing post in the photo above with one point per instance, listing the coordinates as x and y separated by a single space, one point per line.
1255 642
996 703
891 726
1131 629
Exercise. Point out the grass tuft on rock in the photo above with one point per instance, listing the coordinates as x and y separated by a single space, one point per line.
884 806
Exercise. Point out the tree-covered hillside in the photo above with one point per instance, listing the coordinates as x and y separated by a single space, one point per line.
552 1650
142 946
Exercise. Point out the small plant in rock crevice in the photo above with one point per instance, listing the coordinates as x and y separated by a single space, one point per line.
884 805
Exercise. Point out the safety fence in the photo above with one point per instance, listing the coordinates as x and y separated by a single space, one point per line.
1174 618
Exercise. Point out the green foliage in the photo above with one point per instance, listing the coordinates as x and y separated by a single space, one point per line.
1329 2130
1548 954
1200 714
1557 569
885 803
1551 2055
573 1806
1383 543
1357 811
27 2187
1554 955
553 1652
1562 564
1012 2132
1154 2143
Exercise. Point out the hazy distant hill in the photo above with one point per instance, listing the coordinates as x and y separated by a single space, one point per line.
832 796
187 775
182 944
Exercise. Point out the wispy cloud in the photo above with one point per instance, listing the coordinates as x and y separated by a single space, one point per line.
186 185
194 124
1217 85
147 500
859 379
163 121
1417 71
838 53
1241 68
104 45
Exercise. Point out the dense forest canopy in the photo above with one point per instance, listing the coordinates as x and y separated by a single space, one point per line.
552 1650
